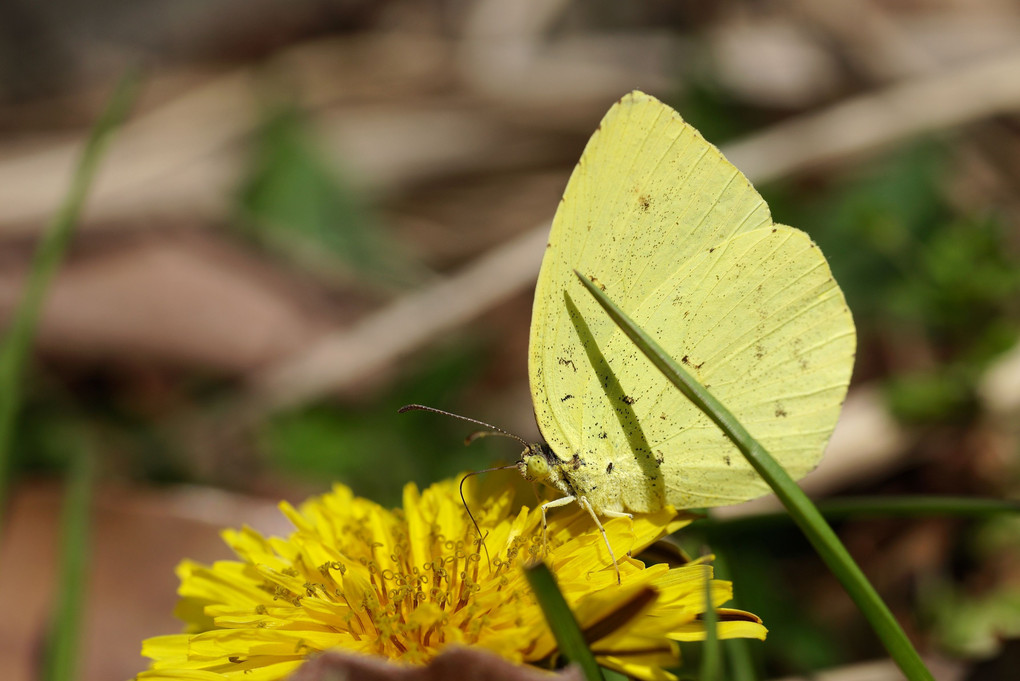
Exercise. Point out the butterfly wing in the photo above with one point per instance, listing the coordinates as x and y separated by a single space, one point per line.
684 244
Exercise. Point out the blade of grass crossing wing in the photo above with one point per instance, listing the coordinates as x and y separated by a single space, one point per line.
61 659
804 513
565 629
18 340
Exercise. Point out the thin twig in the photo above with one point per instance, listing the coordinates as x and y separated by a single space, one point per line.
863 124
342 358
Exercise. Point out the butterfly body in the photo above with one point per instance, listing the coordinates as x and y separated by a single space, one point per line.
578 478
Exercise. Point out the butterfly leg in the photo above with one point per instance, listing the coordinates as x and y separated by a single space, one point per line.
628 516
545 525
587 506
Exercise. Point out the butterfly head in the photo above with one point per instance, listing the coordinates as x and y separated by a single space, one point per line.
539 464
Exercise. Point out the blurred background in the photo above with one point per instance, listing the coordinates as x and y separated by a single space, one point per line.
322 210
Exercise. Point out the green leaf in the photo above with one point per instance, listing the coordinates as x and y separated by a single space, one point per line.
804 513
937 396
296 202
561 621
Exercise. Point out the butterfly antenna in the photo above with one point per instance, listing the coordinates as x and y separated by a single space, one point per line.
493 430
478 434
463 500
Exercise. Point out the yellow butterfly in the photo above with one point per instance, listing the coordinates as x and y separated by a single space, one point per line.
681 241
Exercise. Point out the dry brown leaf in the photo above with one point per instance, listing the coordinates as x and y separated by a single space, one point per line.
173 299
137 537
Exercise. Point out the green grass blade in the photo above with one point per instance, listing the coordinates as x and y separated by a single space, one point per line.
969 507
561 621
18 340
804 513
876 507
711 656
741 665
61 660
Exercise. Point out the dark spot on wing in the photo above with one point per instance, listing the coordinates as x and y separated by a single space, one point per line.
726 460
566 397
609 468
780 410
567 363
645 202
627 399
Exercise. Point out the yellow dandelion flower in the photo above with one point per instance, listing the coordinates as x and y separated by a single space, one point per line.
407 583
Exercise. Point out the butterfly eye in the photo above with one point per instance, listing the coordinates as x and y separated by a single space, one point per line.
536 467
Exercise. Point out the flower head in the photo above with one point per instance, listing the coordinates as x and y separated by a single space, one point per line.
407 583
